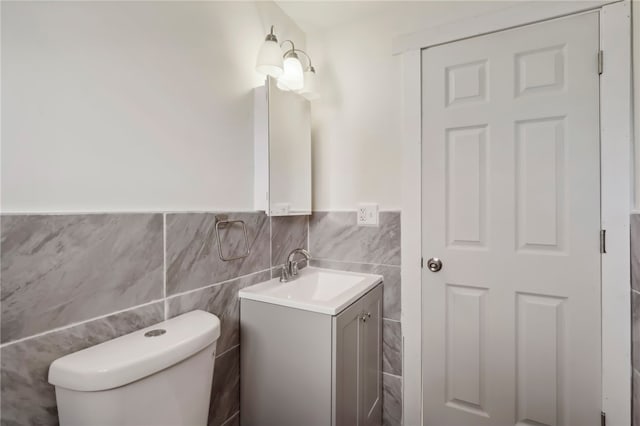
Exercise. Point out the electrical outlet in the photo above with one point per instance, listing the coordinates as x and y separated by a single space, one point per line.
368 214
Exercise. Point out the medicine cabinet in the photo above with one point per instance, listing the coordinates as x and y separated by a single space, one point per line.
282 182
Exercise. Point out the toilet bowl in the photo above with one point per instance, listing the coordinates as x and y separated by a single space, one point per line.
160 375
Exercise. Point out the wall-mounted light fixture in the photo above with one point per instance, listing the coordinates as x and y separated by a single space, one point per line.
287 67
270 56
309 90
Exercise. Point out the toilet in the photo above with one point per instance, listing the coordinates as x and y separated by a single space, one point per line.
160 375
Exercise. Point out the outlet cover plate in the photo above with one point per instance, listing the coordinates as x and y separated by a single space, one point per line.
367 214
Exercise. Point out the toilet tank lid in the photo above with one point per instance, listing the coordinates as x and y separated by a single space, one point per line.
136 355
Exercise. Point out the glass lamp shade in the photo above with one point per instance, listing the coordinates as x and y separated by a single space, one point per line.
270 59
292 78
310 89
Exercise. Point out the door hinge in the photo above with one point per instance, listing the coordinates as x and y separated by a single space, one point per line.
600 61
603 241
422 262
603 418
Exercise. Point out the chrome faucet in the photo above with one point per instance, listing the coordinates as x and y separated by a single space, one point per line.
290 269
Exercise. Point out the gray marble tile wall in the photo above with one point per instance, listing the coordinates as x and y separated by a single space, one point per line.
72 281
635 315
59 269
337 242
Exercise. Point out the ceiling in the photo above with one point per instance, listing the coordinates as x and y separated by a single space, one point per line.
313 15
319 15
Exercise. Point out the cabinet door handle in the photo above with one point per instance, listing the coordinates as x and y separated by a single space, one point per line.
363 318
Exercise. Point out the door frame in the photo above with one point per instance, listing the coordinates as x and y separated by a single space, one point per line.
616 154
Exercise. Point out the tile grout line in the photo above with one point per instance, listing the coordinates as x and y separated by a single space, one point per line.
392 375
230 418
271 246
354 211
120 212
164 261
75 324
217 284
309 234
227 351
321 259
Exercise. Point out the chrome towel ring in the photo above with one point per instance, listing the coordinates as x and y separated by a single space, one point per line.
222 222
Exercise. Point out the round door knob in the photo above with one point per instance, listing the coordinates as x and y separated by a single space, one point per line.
434 264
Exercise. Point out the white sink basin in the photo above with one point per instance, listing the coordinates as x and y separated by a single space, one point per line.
314 289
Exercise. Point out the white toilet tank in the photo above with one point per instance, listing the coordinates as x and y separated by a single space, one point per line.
160 375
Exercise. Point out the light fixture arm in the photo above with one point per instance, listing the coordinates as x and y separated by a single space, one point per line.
310 67
295 51
271 36
293 47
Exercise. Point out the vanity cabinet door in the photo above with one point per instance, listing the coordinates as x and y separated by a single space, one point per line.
371 359
346 357
357 359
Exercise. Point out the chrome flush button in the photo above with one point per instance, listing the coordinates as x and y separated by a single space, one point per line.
154 333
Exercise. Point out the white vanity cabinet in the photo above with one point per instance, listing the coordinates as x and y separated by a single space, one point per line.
300 367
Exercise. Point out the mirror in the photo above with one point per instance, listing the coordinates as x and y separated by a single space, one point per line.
282 152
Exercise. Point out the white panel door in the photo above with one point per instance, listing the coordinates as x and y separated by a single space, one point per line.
511 206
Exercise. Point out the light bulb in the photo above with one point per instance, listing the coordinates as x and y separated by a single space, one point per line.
292 78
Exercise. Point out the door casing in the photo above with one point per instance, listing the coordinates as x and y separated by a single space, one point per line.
616 124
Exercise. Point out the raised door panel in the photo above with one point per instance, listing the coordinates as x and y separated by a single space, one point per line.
466 83
346 359
540 70
541 359
465 382
465 182
540 185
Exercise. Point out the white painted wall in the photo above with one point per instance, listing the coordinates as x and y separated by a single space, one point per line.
123 106
357 123
131 106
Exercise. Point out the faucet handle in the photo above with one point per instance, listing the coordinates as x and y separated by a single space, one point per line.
284 274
